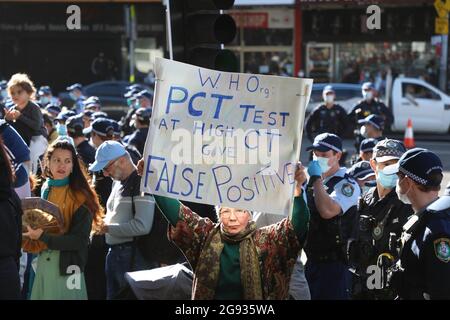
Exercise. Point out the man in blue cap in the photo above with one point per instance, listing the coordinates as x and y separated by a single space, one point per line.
381 217
424 268
332 199
76 94
327 117
369 105
129 215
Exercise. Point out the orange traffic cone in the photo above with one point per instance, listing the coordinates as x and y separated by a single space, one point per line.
409 136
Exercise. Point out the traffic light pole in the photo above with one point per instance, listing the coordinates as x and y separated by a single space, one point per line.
169 29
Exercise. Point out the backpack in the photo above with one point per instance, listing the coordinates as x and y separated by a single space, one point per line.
155 246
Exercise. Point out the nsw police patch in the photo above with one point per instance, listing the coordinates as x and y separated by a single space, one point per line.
347 189
442 249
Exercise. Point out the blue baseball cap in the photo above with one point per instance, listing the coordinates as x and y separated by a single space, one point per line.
64 115
327 89
367 85
99 115
75 124
375 120
367 145
102 126
418 164
145 94
116 127
74 86
361 170
108 151
131 93
53 108
325 142
3 84
44 90
143 114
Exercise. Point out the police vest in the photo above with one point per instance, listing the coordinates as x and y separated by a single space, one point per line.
327 238
413 283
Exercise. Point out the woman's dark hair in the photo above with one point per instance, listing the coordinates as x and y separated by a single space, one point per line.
6 164
79 179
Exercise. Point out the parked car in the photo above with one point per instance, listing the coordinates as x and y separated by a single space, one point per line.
110 94
347 95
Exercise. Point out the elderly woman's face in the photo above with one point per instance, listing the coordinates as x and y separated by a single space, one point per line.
234 220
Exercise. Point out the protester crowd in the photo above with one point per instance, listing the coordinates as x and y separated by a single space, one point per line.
375 230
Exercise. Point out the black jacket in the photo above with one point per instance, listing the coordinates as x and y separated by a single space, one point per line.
30 123
10 225
74 243
391 209
332 120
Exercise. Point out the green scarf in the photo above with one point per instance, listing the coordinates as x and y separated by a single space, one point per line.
208 267
52 183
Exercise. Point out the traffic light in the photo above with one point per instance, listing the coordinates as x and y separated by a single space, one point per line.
199 31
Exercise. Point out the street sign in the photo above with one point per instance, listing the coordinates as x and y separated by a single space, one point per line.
441 8
441 25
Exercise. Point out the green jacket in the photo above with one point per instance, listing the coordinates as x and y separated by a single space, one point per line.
73 244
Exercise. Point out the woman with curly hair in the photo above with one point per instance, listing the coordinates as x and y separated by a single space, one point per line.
62 258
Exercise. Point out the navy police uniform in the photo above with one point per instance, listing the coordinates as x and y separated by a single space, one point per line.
326 269
323 119
424 267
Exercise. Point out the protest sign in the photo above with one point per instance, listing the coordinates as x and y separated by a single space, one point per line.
223 138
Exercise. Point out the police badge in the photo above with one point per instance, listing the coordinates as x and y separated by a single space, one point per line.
442 249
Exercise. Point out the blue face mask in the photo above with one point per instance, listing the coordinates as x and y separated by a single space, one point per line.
4 93
364 189
44 100
61 129
323 163
388 181
72 96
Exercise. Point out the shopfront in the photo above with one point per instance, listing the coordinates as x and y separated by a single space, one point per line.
264 43
339 47
35 39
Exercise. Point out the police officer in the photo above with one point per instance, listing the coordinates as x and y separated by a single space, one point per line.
75 126
46 97
92 103
133 104
365 150
328 117
363 175
382 216
61 119
372 127
370 105
3 91
76 94
142 123
332 198
424 267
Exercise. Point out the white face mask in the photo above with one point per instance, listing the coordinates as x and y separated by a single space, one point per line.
323 163
368 95
329 98
402 196
363 131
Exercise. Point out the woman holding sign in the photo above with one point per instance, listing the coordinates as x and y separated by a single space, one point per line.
62 258
233 259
